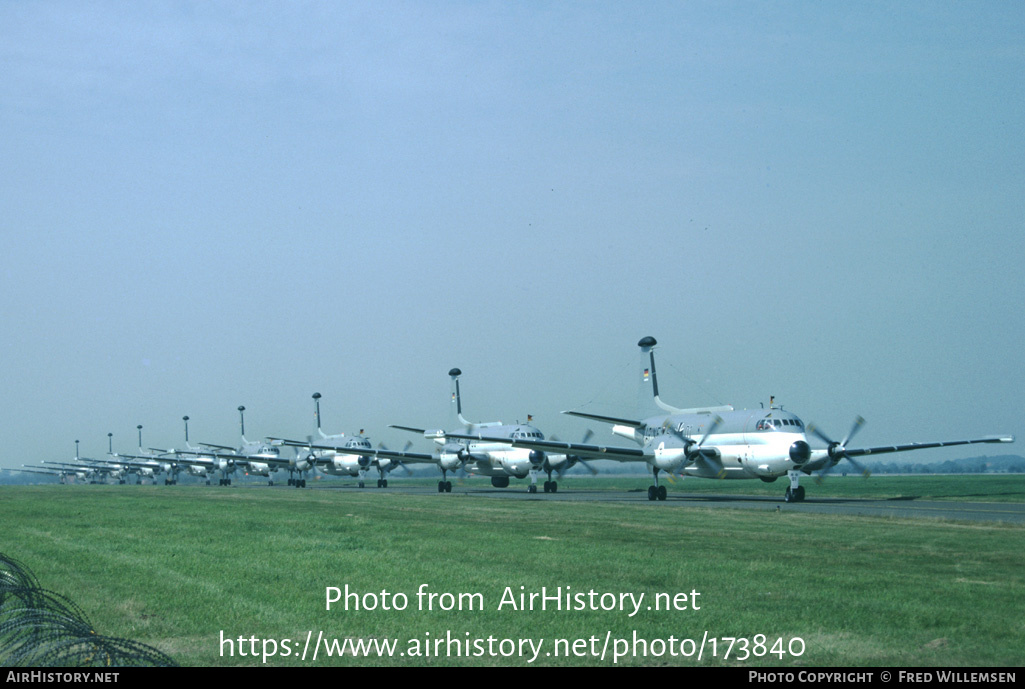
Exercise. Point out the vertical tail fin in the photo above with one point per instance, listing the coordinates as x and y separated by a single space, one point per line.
648 399
647 390
186 420
242 423
457 404
316 413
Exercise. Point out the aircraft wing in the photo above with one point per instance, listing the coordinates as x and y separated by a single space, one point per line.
194 458
314 446
118 456
245 460
218 447
48 473
421 431
923 446
152 464
414 457
620 454
607 419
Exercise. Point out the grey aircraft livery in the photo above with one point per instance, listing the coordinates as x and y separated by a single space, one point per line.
720 442
484 448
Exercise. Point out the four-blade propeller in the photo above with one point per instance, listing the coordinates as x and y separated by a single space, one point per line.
838 450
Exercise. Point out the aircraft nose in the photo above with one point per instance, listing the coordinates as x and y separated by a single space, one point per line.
800 452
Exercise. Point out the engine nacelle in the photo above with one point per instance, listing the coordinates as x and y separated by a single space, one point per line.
304 461
449 461
800 453
537 458
669 456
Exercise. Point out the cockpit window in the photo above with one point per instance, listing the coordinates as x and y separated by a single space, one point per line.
777 424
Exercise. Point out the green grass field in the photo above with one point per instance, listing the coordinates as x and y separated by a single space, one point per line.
174 567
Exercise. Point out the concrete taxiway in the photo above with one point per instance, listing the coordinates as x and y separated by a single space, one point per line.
895 508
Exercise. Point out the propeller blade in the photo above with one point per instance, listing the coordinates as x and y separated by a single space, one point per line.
858 423
838 451
716 422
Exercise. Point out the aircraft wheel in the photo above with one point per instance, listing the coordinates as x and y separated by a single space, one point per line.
441 486
788 496
799 494
448 486
652 493
302 483
532 488
555 487
661 492
384 483
361 484
548 486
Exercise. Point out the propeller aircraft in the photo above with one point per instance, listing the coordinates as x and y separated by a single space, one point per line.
725 443
494 449
335 455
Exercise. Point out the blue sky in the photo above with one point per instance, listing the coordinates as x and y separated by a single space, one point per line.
214 204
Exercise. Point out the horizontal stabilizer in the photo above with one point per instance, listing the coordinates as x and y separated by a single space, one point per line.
607 419
408 428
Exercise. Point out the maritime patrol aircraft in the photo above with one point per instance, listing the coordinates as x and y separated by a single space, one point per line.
259 458
722 442
491 449
480 455
147 463
195 460
62 474
92 470
336 455
116 466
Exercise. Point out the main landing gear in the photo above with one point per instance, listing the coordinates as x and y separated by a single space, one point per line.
444 485
656 492
550 485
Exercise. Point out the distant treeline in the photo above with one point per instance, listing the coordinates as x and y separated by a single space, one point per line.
1004 464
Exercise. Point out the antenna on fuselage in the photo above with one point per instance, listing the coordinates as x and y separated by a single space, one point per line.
316 412
457 404
186 420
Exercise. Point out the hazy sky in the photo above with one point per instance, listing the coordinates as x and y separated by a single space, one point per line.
207 204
